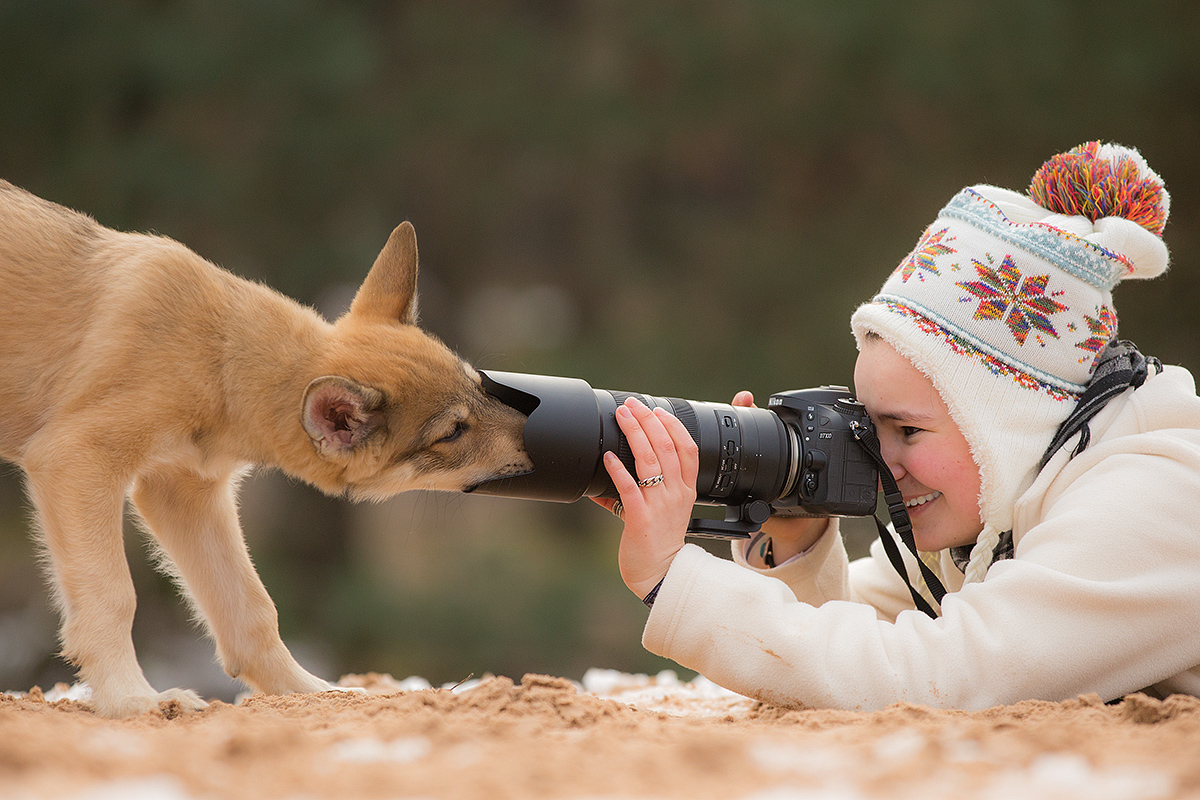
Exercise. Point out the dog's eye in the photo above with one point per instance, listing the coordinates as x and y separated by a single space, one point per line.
460 428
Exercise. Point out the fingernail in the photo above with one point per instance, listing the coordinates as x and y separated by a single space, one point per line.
623 411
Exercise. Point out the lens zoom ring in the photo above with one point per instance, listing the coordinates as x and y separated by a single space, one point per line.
683 410
623 451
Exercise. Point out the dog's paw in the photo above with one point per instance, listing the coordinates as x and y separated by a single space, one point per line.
171 702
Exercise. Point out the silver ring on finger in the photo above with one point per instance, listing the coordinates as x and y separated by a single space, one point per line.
653 481
617 509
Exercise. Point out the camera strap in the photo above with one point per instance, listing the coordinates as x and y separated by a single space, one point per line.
900 522
1119 367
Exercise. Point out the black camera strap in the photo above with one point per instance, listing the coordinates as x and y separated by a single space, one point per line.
1120 366
900 522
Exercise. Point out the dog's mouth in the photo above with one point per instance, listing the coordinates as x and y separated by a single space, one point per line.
497 478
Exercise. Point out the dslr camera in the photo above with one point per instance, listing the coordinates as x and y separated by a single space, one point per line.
797 457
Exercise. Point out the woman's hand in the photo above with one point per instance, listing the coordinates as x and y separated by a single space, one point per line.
790 536
657 512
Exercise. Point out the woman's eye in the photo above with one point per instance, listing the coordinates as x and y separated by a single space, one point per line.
908 430
459 429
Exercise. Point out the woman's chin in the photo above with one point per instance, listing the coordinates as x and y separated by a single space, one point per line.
932 538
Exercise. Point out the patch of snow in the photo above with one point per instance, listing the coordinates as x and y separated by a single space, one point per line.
370 751
604 681
808 760
414 683
464 686
158 787
664 692
1061 776
899 746
61 691
76 691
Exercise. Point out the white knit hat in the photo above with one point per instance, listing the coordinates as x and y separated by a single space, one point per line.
1006 302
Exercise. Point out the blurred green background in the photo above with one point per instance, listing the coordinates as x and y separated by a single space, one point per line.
679 198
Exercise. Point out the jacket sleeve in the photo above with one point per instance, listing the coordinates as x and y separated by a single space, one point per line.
825 573
1102 596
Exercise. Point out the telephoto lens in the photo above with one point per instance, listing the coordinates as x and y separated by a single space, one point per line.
796 457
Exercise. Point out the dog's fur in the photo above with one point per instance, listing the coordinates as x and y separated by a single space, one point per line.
131 367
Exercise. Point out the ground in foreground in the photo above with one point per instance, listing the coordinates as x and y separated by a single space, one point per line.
620 737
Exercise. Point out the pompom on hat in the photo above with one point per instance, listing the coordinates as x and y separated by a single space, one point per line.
1006 303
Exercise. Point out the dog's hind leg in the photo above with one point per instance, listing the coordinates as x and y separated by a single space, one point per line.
79 503
195 522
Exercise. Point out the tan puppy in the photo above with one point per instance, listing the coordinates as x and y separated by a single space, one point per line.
130 366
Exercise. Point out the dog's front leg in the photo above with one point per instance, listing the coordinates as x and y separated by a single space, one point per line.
195 522
79 503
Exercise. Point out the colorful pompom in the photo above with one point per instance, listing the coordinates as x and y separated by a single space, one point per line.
1102 180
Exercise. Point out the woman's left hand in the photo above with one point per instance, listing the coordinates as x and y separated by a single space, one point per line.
656 513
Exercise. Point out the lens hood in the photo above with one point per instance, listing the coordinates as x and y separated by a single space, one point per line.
564 435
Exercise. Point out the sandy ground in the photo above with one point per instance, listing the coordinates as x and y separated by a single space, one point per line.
614 736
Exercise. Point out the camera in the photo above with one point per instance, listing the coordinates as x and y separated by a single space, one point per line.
799 456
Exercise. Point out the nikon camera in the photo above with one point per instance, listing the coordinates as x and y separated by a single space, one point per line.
797 457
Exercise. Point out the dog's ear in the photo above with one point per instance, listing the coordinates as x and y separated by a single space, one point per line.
389 292
338 414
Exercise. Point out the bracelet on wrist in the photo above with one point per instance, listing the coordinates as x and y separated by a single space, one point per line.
649 599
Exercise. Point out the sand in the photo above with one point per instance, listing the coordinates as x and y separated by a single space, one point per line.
613 736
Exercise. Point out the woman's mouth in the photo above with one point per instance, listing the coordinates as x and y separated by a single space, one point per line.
922 500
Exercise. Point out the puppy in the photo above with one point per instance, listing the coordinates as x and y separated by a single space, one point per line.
131 367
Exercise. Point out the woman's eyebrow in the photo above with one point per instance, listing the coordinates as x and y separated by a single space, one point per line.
904 416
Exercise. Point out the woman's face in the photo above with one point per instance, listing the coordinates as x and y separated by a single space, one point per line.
923 447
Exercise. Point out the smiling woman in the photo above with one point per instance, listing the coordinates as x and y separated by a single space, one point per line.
989 347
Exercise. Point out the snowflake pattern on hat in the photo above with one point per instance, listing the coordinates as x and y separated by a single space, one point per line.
1101 328
921 258
1019 302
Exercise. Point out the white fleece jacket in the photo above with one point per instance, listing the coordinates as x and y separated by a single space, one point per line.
1102 594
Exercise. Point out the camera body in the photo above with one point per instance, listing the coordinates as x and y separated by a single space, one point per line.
797 457
836 478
